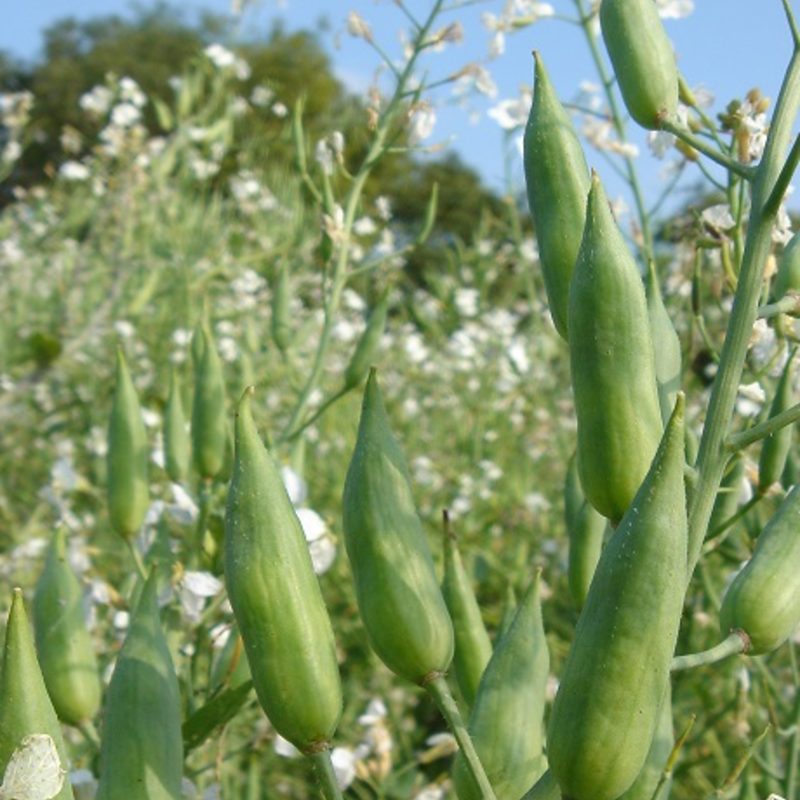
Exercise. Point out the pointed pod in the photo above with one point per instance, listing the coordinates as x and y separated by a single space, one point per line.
368 345
557 181
764 598
573 492
128 495
617 670
666 345
176 438
276 597
25 706
473 647
644 63
787 278
585 545
612 364
66 652
399 597
507 720
209 421
141 754
657 756
776 447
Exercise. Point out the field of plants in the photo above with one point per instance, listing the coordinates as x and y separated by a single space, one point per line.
524 524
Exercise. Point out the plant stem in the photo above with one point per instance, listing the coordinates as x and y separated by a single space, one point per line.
735 643
440 692
138 561
713 454
738 441
323 769
700 144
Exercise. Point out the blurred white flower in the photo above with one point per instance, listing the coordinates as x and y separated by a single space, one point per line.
356 26
194 589
421 123
513 113
718 216
84 784
750 399
74 171
285 748
344 766
97 101
674 9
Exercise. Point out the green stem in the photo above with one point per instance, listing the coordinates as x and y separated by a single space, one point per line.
735 643
672 126
202 516
713 453
440 692
738 441
789 304
778 193
323 769
138 561
89 732
793 767
339 276
720 533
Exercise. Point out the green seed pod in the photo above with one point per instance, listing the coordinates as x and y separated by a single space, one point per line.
573 493
585 545
141 756
128 496
545 788
657 756
557 180
25 707
617 670
612 365
282 327
66 653
787 278
209 421
764 598
775 448
176 437
473 647
507 721
198 343
276 597
644 63
367 348
398 595
666 346
509 612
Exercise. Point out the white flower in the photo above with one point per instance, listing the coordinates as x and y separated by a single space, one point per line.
295 485
220 56
383 207
125 115
674 9
718 216
344 766
375 713
750 399
323 155
285 748
513 113
421 124
261 96
74 171
356 26
279 109
364 226
97 101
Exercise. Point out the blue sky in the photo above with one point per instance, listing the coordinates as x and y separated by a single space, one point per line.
729 46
